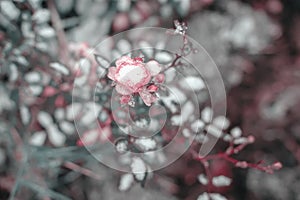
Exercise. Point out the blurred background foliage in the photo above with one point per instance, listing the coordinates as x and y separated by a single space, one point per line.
255 44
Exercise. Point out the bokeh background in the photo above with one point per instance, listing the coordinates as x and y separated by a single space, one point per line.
255 44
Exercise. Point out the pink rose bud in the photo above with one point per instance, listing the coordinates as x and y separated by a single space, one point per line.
152 88
277 165
160 78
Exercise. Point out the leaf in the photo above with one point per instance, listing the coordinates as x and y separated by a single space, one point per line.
103 62
25 115
163 57
59 68
145 144
126 181
41 16
38 138
9 9
192 83
138 168
33 77
202 179
56 137
206 114
236 132
221 181
46 32
212 130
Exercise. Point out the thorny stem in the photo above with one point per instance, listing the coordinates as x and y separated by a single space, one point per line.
242 164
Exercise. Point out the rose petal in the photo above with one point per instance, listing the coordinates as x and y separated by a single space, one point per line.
125 99
153 67
124 60
111 73
152 88
160 78
123 90
147 97
133 76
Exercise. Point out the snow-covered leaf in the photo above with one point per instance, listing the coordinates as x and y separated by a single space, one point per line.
46 32
25 115
41 16
89 137
145 144
212 130
220 181
126 181
38 138
163 57
59 68
236 132
35 90
216 196
121 145
240 140
211 196
9 9
197 125
56 137
138 168
206 114
203 196
13 75
124 46
44 119
192 83
221 122
33 77
67 127
202 179
59 114
73 110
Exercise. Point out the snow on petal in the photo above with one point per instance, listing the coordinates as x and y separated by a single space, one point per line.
123 90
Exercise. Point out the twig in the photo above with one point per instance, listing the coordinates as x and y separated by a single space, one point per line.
62 40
